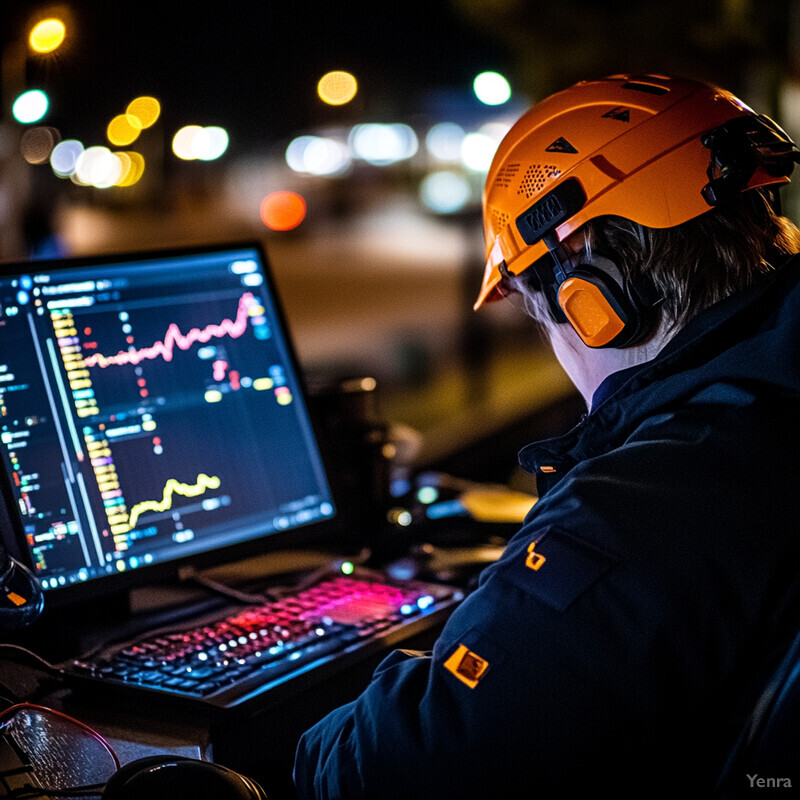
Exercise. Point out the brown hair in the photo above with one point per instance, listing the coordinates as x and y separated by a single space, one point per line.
693 265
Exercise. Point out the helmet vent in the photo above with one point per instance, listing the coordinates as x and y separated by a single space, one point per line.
499 219
648 88
536 177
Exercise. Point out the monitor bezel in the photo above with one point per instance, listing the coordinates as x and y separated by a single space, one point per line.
321 532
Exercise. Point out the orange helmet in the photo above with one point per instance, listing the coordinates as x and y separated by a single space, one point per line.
657 150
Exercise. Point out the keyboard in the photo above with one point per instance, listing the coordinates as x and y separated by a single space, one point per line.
246 655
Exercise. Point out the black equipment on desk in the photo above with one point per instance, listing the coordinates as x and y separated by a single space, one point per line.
153 422
169 777
21 597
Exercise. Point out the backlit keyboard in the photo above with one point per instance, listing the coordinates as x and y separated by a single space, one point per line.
230 660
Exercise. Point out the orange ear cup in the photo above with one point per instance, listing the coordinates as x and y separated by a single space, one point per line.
592 313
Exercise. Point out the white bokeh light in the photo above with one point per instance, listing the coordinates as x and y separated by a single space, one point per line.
194 142
382 144
445 192
98 167
443 141
317 155
64 158
30 106
491 88
477 151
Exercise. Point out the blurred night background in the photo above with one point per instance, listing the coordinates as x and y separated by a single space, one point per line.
160 125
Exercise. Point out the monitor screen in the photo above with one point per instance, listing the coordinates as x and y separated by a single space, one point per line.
151 411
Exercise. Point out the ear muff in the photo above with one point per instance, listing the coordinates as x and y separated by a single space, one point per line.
596 308
593 299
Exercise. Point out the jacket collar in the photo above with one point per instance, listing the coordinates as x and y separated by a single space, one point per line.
724 342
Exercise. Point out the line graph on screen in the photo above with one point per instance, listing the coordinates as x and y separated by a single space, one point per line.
175 338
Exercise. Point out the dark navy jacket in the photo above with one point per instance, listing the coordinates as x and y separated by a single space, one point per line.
624 633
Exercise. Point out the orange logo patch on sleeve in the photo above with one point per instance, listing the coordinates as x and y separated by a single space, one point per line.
534 560
467 666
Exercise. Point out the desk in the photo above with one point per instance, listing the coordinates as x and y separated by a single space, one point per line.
258 741
260 745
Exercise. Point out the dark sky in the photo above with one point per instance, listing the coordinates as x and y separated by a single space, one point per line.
249 66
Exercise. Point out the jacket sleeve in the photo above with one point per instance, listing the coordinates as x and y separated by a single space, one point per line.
459 723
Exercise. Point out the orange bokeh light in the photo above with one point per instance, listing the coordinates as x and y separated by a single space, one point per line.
283 210
337 88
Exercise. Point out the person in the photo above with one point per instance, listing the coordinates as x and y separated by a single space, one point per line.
621 639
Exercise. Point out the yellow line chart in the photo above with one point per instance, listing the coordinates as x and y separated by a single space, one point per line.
171 488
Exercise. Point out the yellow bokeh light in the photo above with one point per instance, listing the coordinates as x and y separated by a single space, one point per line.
337 88
123 129
47 35
145 109
132 168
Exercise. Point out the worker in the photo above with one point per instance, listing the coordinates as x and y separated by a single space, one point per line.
624 635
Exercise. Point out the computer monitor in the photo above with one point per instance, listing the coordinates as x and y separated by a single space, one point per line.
152 415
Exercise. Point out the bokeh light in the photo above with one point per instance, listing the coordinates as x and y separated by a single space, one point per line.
383 144
182 142
491 88
445 192
99 167
96 166
317 155
146 109
37 144
283 210
337 88
132 168
30 106
64 158
443 141
47 35
479 147
194 142
477 151
124 129
210 143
